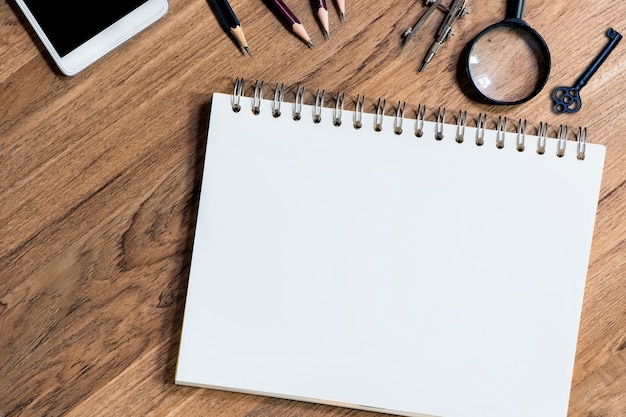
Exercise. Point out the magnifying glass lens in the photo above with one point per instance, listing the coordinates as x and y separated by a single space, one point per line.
508 63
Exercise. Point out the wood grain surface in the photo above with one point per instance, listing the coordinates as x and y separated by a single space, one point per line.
100 174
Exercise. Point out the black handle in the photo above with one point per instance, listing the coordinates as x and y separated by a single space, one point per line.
514 9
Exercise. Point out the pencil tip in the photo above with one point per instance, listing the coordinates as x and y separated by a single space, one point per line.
327 33
248 51
310 42
343 17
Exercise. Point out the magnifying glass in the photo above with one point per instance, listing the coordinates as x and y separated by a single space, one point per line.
508 62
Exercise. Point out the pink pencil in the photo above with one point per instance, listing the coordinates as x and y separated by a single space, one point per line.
322 14
342 9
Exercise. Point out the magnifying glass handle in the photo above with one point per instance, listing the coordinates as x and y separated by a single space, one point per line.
514 9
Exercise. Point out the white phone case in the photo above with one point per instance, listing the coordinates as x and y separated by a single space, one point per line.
105 41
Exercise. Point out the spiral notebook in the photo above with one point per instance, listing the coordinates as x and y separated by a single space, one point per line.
397 267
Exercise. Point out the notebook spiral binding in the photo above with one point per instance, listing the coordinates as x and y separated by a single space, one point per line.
357 121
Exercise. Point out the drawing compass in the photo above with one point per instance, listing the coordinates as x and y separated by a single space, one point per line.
456 10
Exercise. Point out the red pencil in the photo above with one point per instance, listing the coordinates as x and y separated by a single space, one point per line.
292 20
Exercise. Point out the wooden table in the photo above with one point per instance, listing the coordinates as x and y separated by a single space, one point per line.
100 174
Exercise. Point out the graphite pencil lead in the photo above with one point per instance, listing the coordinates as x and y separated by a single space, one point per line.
248 51
310 42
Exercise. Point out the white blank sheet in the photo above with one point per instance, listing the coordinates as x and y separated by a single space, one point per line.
387 272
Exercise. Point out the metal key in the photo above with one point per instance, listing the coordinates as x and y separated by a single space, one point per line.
567 99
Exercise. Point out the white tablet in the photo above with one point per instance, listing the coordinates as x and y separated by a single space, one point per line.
76 33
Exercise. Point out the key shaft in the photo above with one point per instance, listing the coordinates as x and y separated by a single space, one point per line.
615 38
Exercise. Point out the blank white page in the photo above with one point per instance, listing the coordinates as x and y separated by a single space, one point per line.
387 272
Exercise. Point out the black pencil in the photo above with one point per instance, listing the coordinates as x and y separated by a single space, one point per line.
230 20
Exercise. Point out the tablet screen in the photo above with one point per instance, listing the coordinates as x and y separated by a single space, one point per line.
70 23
